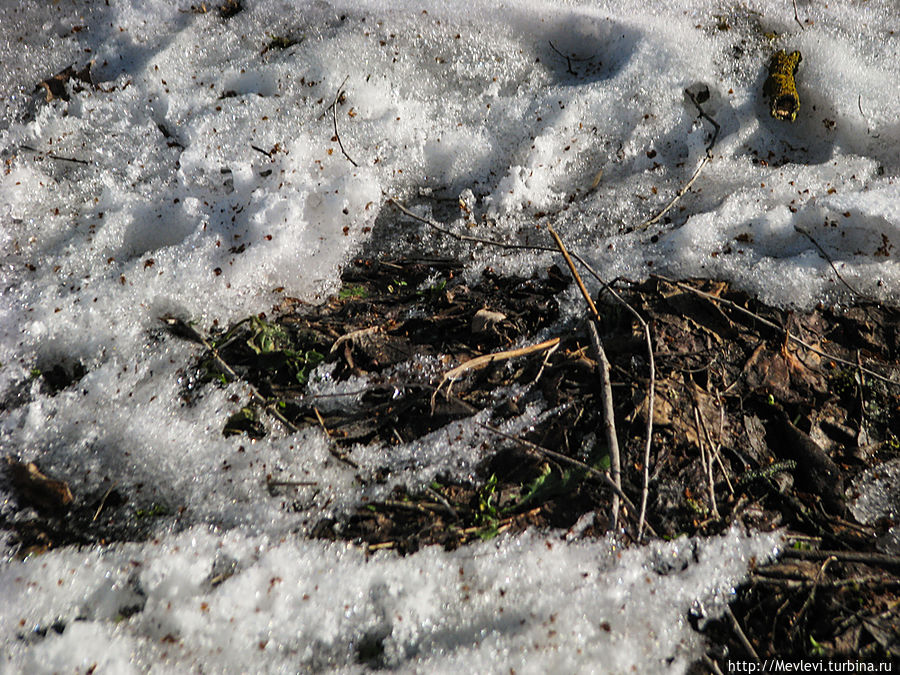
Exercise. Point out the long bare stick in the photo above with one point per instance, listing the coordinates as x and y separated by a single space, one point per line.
876 559
651 393
606 398
742 636
609 419
677 197
463 237
707 461
183 329
581 287
797 18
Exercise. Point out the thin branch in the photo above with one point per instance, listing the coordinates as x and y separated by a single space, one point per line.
581 287
742 636
703 162
337 96
487 359
606 398
291 483
50 155
651 390
651 403
184 330
651 395
463 237
681 193
797 17
810 598
103 502
705 115
712 665
827 257
603 476
706 461
568 58
258 149
875 559
609 418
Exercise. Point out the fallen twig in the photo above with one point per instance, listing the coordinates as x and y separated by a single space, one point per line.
876 559
797 17
103 502
258 149
182 329
485 360
708 156
651 389
337 96
705 115
464 237
810 598
609 419
291 483
568 58
827 257
603 476
870 581
50 155
707 461
581 287
742 636
652 365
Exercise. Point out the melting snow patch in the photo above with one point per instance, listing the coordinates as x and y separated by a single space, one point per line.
237 602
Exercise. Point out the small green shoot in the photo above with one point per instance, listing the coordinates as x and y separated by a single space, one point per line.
434 291
352 292
396 286
155 510
816 649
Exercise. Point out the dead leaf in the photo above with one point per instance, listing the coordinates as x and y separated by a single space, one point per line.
36 489
55 86
783 375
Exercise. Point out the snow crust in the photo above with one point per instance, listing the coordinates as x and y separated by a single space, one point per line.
234 602
209 183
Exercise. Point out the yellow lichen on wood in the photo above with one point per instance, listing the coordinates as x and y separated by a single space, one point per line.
780 86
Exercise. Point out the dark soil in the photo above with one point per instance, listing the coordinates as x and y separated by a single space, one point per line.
748 427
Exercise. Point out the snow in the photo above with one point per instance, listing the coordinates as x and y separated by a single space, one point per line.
234 602
207 181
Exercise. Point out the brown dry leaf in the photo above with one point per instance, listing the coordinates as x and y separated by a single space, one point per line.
783 375
55 86
38 490
663 410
